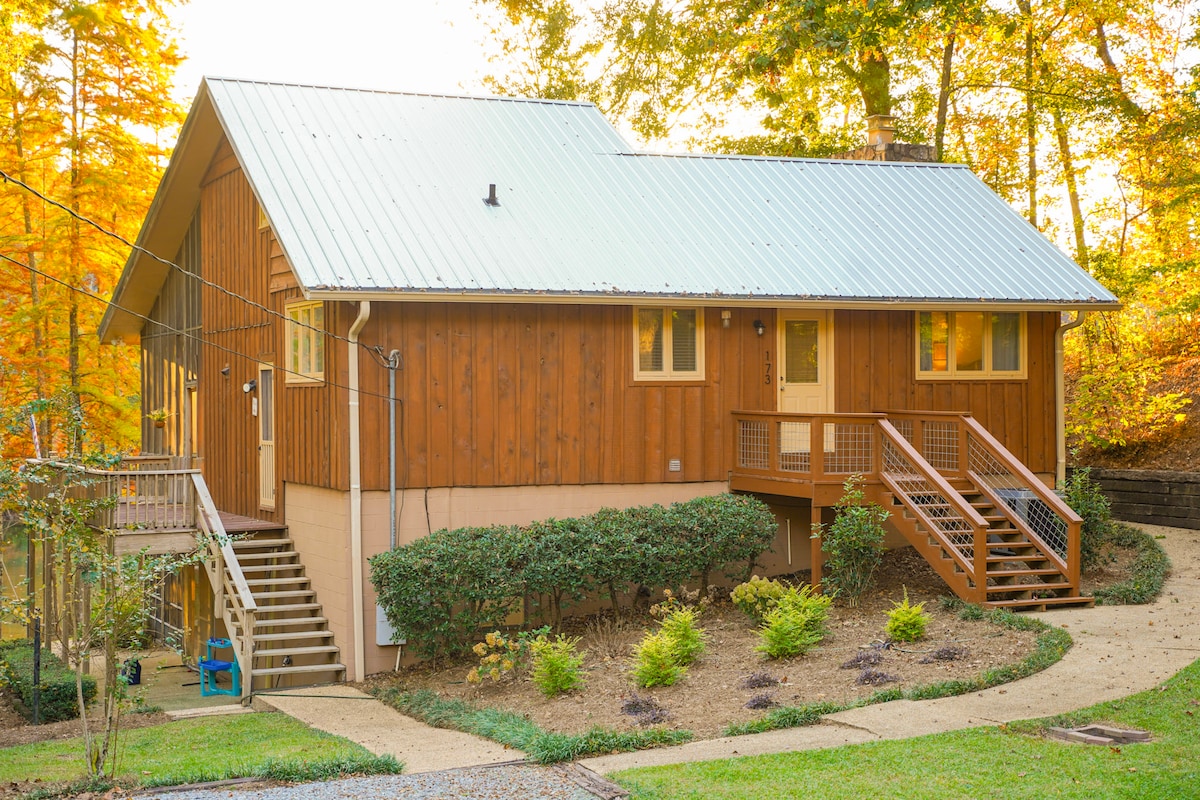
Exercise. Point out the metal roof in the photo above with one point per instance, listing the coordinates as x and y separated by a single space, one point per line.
378 192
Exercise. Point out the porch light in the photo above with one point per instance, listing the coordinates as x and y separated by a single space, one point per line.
250 385
759 327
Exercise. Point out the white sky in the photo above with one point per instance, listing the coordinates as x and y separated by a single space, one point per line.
406 45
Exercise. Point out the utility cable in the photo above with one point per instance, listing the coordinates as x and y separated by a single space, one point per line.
376 352
180 332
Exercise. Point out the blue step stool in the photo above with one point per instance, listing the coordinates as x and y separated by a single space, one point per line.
210 667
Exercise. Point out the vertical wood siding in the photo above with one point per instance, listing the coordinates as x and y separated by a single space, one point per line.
170 354
876 359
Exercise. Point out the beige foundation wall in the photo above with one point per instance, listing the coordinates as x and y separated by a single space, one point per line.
318 522
462 506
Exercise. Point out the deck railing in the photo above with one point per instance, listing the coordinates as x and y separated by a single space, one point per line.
808 448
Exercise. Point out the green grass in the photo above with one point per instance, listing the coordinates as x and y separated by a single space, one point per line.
1050 646
515 731
1150 567
209 748
1012 762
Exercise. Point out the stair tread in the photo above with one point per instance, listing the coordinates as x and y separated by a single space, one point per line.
270 567
295 651
273 554
249 544
293 635
276 581
282 594
1028 587
293 670
1044 601
289 607
290 621
1023 571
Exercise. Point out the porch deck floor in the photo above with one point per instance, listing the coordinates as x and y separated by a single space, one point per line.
133 518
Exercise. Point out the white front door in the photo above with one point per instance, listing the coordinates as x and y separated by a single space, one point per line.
805 362
266 435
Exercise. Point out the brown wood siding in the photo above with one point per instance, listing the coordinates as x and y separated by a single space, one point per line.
876 362
514 394
171 351
239 335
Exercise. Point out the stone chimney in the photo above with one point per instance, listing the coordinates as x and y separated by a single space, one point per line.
881 130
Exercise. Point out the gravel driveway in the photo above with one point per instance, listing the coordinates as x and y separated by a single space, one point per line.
476 783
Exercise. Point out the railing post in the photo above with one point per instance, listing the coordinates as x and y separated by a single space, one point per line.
816 453
964 463
774 431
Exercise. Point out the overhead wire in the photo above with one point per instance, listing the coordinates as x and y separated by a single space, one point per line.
375 351
199 339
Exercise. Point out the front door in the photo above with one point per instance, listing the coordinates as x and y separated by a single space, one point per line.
806 362
266 436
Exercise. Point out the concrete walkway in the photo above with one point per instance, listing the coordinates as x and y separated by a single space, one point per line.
1119 650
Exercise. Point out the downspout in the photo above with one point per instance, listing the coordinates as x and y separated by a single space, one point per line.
1060 391
393 363
356 544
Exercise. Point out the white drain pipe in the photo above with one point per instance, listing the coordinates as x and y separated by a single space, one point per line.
356 533
1060 394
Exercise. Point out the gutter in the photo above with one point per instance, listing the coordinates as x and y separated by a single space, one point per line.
356 533
1060 424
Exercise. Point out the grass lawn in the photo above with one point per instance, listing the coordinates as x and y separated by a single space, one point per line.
207 748
1014 762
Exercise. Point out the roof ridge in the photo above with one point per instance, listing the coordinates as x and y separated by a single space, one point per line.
398 92
800 159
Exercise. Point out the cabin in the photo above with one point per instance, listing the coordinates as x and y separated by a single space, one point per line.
366 315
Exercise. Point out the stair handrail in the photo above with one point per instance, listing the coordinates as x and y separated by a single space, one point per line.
979 525
225 573
1055 503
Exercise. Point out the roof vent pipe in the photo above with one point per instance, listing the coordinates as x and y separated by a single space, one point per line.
881 129
491 198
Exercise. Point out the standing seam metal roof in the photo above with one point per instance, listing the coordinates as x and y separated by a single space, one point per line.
383 192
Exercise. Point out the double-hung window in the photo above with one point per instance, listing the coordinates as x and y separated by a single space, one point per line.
306 342
668 343
970 344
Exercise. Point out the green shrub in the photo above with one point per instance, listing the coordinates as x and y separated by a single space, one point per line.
853 544
687 641
58 700
757 596
906 623
795 625
1086 499
655 661
557 667
442 589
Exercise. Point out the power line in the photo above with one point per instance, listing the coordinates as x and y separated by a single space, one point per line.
201 340
376 351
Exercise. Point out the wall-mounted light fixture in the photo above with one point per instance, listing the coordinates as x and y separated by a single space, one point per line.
225 370
725 317
759 327
249 385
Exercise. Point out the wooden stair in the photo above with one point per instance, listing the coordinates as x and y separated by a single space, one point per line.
1020 571
291 639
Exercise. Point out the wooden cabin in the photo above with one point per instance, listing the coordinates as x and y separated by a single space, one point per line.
374 314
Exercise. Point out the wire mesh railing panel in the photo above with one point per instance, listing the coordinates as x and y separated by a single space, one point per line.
923 493
1018 496
939 444
795 446
904 427
852 449
753 450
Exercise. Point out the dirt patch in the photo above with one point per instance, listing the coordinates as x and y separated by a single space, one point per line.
714 694
16 730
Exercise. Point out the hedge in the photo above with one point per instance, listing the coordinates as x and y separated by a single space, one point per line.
58 700
442 589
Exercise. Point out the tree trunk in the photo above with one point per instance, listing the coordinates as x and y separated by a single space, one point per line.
939 133
1064 150
1031 176
874 79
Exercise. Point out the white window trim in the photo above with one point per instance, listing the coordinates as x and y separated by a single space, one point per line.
668 373
295 374
952 374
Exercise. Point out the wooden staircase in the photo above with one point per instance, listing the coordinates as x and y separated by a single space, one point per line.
997 538
290 640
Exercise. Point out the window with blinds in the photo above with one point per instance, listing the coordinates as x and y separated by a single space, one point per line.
669 343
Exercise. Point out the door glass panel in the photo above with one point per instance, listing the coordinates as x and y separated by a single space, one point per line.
266 404
801 354
1006 338
968 341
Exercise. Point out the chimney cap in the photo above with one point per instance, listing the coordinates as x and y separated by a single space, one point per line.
881 129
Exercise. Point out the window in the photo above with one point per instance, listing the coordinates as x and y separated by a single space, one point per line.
306 343
668 344
970 344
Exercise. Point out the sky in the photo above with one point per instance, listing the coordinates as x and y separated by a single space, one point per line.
407 45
